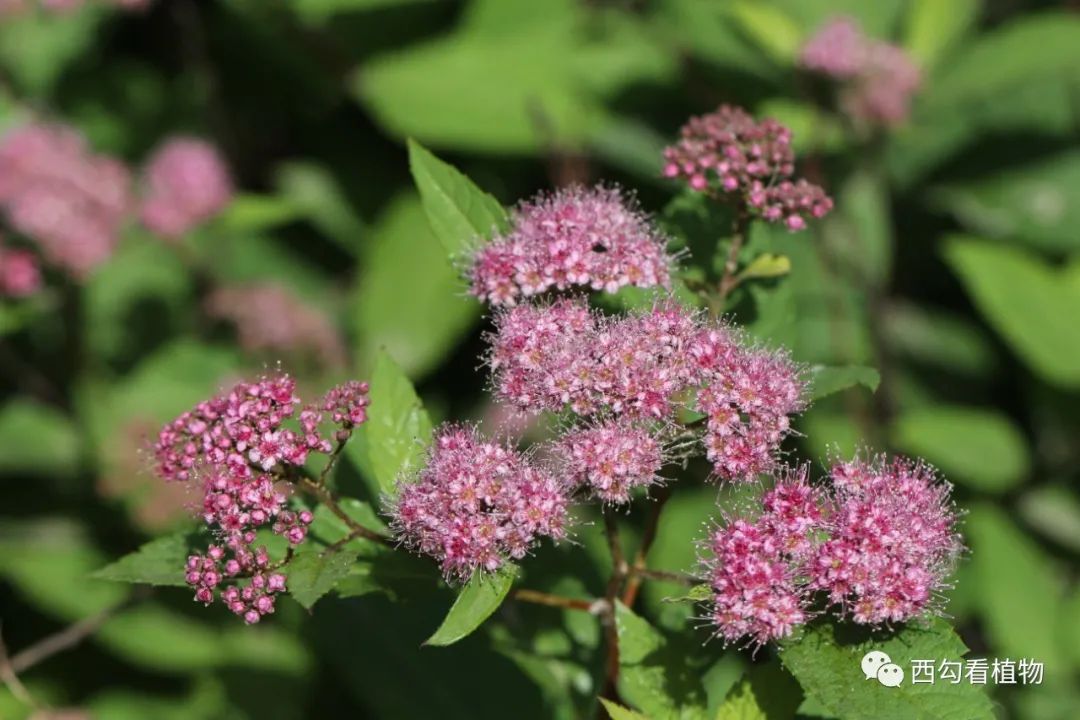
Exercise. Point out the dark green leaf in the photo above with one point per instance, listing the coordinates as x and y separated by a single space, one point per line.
158 562
766 692
480 597
460 213
828 380
313 574
1054 512
37 439
826 661
618 712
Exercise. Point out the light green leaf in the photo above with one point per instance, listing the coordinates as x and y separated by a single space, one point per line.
933 28
327 528
158 562
767 265
860 232
618 712
480 597
36 47
404 301
249 212
828 380
37 439
313 574
937 337
979 447
397 430
1037 203
1031 304
771 28
653 676
318 12
826 661
459 212
1020 591
1054 512
766 692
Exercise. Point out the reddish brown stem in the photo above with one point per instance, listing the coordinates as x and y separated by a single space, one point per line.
647 538
559 601
619 571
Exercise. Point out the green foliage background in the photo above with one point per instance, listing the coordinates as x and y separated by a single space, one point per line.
952 265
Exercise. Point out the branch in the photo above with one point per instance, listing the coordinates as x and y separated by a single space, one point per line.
730 279
67 638
647 538
618 575
327 498
594 607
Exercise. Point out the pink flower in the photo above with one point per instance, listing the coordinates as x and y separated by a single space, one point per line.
577 237
187 183
68 200
272 320
748 395
477 504
877 79
610 459
892 540
728 153
20 275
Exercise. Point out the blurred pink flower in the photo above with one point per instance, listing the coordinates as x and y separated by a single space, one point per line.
59 194
186 183
20 275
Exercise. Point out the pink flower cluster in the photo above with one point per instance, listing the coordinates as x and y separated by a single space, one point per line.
728 151
235 507
892 540
67 199
577 237
20 275
477 504
611 459
879 78
879 544
748 395
547 358
563 355
186 183
271 319
235 443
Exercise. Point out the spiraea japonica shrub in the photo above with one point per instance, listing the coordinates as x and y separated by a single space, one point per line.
608 341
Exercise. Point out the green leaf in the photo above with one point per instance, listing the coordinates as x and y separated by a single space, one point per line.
397 430
943 339
766 692
1032 304
933 28
319 12
826 661
979 447
316 195
771 28
404 300
37 439
828 380
480 597
1029 47
1020 590
1054 512
1037 203
36 47
767 265
327 528
860 232
654 676
248 212
158 562
313 574
459 212
618 712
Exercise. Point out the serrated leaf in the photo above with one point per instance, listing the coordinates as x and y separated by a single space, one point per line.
158 562
397 430
1032 304
654 676
618 712
766 692
828 380
978 447
480 597
767 265
826 659
313 574
458 211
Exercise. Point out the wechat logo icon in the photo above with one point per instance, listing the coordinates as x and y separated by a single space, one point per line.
876 664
